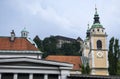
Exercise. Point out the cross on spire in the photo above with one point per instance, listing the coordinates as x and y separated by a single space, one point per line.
95 9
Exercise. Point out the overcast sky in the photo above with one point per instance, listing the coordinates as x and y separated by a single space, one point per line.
58 17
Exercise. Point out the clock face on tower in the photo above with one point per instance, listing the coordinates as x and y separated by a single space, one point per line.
100 54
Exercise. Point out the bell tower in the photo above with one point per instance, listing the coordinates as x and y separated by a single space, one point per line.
98 55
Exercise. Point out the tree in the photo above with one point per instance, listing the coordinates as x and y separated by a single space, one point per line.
38 43
49 46
71 48
87 68
116 52
113 56
83 69
118 68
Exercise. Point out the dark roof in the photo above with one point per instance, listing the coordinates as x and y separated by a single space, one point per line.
79 39
65 38
19 44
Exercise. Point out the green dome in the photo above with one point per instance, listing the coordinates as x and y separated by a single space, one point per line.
24 30
97 25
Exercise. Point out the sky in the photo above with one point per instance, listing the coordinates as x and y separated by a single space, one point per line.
58 17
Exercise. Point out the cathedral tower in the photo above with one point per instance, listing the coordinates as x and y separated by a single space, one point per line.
98 55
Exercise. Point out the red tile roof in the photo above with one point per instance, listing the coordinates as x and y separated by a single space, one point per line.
75 60
19 44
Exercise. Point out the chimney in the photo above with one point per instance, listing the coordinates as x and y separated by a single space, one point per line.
12 38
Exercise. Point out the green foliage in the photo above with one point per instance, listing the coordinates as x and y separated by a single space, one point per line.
118 68
49 47
85 69
113 56
38 42
71 48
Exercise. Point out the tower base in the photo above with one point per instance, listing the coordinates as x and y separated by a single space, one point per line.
99 71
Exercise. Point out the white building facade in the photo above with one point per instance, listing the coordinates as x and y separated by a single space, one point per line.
20 59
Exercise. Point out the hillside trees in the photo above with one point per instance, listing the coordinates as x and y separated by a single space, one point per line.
71 48
49 47
38 42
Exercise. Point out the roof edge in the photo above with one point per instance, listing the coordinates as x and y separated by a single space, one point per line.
36 61
15 51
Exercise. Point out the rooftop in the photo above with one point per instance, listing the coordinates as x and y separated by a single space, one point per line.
75 60
67 38
19 44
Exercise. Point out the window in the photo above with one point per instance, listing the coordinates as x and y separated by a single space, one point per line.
102 30
98 30
52 76
99 44
23 76
38 76
24 34
7 76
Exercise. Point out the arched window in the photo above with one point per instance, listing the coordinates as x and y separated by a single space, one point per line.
24 34
98 30
99 44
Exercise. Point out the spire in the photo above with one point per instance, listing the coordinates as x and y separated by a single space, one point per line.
95 9
88 26
96 22
96 17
